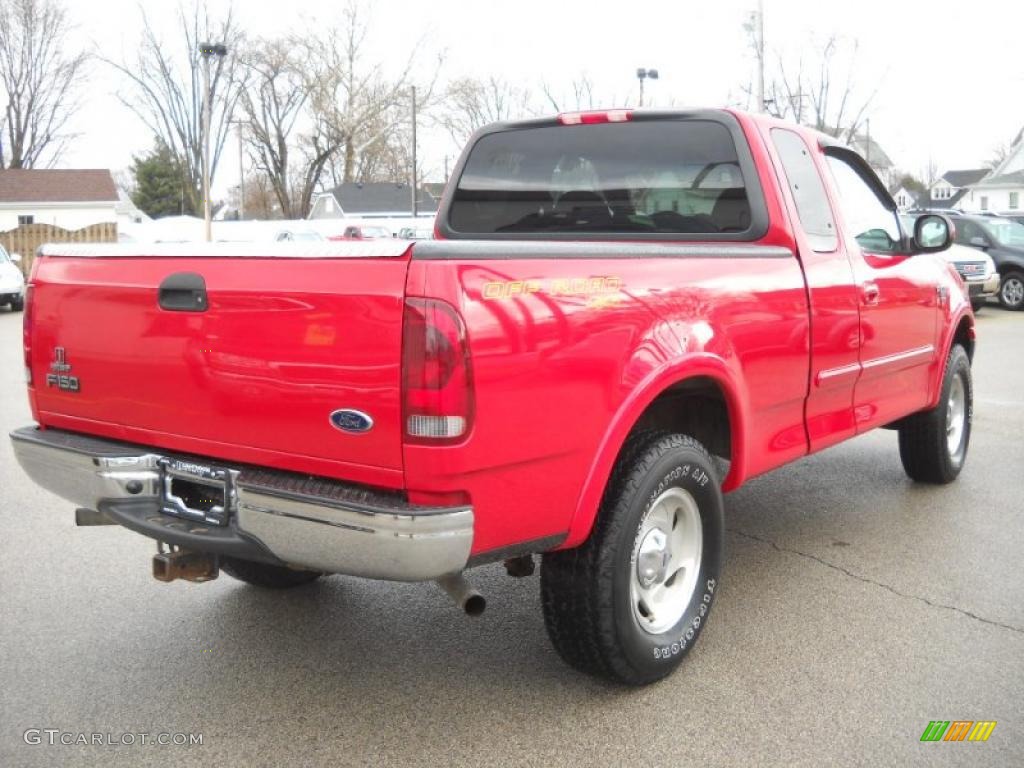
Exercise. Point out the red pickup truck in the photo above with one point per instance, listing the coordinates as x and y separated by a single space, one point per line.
624 315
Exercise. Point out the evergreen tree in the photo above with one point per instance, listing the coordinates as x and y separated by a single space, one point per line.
159 183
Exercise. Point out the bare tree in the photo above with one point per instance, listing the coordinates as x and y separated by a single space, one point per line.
998 155
261 201
38 79
352 96
819 90
470 103
167 92
580 95
288 145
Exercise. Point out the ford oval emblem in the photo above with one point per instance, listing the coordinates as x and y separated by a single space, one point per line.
348 420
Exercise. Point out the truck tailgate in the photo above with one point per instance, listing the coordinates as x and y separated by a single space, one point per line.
282 343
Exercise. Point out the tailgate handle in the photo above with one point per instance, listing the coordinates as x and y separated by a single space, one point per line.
184 292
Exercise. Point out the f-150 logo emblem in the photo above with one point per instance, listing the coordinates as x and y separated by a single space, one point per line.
60 373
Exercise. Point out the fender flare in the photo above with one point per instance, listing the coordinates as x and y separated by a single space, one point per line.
700 365
946 344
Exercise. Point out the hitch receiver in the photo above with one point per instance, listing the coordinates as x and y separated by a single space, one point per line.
182 564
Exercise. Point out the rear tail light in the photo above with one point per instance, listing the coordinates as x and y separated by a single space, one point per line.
437 385
26 331
591 118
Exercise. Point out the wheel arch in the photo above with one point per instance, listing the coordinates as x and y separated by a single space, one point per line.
660 401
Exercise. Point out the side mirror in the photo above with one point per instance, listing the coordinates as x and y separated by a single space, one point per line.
932 233
16 258
980 242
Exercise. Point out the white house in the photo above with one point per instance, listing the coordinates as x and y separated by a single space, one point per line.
371 200
905 198
950 190
1003 190
67 198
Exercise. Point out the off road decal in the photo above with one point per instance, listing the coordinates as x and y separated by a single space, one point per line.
599 291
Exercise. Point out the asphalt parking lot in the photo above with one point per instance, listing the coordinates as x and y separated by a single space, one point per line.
855 608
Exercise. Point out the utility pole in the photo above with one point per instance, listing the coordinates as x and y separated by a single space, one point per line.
760 56
241 171
206 50
415 210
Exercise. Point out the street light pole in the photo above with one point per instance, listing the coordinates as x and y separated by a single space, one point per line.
414 196
642 74
206 50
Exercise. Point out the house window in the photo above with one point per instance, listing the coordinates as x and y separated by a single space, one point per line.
1014 200
984 203
24 221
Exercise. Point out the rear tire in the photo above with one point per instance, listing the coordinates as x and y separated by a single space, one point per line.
18 304
631 601
977 304
1011 290
266 575
933 444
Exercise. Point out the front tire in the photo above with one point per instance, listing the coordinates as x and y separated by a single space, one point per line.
17 304
631 601
266 575
1011 290
933 444
977 304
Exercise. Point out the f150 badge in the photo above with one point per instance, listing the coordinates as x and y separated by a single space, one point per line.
60 373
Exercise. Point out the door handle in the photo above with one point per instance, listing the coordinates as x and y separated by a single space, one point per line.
869 293
184 292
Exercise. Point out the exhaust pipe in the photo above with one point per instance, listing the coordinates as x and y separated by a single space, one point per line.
181 564
462 592
84 517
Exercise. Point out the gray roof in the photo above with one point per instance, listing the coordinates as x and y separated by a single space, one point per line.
381 197
1017 177
925 200
966 177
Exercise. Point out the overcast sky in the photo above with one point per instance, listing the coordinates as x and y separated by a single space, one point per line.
950 74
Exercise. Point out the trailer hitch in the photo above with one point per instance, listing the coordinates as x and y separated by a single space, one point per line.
170 563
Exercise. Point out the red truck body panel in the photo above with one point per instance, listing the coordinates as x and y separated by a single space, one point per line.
566 355
253 379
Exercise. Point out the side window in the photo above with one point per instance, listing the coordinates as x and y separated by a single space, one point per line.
963 231
812 206
874 226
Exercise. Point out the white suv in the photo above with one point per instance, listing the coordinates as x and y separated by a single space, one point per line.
12 283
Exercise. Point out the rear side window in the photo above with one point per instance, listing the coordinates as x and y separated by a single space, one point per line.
649 177
812 207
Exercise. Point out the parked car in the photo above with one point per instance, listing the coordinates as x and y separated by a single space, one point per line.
977 268
598 345
1001 238
363 232
299 235
416 233
12 282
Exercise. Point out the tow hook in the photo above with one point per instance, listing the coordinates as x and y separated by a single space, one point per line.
182 564
462 592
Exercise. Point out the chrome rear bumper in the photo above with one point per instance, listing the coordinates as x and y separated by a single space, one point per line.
311 523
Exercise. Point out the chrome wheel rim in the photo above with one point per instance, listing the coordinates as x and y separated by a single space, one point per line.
1013 291
666 561
956 416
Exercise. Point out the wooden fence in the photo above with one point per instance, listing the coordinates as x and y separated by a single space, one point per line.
26 239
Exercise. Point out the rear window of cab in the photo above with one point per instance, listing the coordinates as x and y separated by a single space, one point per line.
664 179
